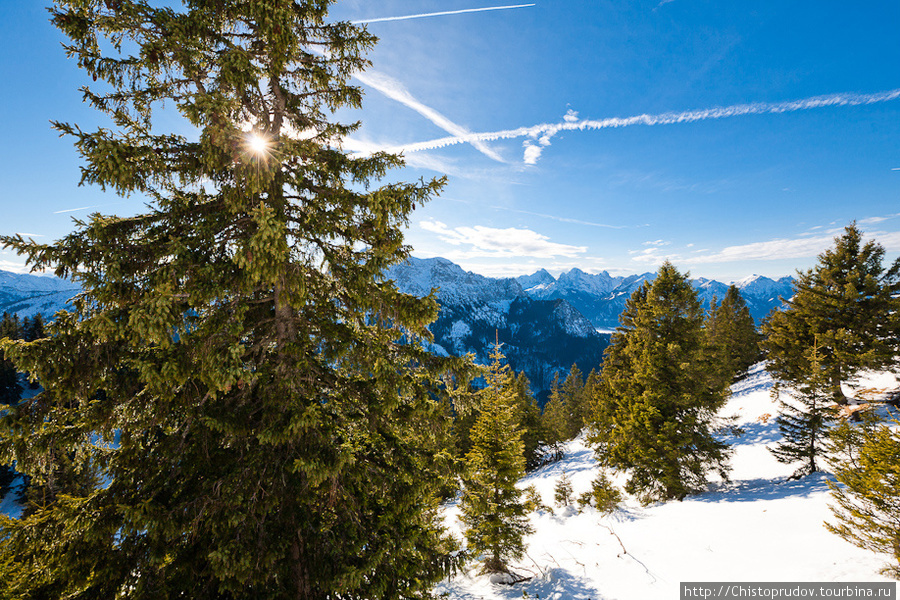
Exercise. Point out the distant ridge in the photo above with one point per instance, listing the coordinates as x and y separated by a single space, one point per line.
28 295
601 297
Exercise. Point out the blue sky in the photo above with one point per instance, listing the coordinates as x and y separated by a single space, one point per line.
730 137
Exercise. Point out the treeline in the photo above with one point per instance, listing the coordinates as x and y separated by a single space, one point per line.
28 329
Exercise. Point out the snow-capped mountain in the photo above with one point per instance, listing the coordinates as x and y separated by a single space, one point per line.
541 337
601 297
28 295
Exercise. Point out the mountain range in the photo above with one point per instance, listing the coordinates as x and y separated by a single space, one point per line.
601 297
546 324
28 295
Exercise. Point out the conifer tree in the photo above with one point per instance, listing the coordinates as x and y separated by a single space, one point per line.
554 418
562 491
272 409
35 329
657 401
529 417
804 421
731 336
847 306
573 400
10 388
867 488
494 516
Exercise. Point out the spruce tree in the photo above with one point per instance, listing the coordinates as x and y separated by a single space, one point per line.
529 417
867 488
554 418
731 336
574 402
251 391
847 306
10 388
562 491
804 421
494 516
655 408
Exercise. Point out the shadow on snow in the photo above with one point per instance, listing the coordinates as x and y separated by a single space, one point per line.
751 490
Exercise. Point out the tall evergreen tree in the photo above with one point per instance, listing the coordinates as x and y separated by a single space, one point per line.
494 516
529 417
848 306
273 411
731 336
804 421
35 328
10 388
554 418
657 401
574 401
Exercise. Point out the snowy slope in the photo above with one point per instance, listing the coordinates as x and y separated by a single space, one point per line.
28 295
758 527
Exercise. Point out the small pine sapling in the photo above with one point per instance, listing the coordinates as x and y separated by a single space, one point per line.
562 493
533 501
603 495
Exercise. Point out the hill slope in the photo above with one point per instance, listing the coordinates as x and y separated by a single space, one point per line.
758 527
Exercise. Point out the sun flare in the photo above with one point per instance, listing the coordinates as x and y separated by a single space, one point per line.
258 144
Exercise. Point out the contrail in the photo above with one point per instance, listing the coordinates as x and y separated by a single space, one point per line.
439 14
395 90
545 131
57 212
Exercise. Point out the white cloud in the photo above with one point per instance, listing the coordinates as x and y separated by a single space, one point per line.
571 116
771 250
804 247
658 243
545 131
873 220
653 256
532 153
14 266
491 242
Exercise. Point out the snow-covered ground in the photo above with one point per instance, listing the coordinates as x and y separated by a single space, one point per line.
758 527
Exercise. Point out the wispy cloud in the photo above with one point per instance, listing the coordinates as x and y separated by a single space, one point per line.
14 266
539 136
492 242
439 14
873 220
29 235
776 249
560 219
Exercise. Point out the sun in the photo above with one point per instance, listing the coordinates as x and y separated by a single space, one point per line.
258 144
